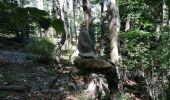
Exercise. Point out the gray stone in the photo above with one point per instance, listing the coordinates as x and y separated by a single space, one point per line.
87 55
92 63
85 44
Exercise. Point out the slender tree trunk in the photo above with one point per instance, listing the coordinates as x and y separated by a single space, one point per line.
127 25
114 26
103 27
87 14
25 29
66 21
102 30
160 18
168 20
75 21
78 14
60 9
40 5
88 18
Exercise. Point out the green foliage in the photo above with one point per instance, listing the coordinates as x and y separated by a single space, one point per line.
40 46
140 13
45 23
123 96
167 2
35 12
58 25
20 17
163 51
137 49
143 51
14 18
155 3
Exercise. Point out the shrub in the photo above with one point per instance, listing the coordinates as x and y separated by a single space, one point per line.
137 49
40 46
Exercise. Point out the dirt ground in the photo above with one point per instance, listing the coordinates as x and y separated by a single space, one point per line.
22 78
37 81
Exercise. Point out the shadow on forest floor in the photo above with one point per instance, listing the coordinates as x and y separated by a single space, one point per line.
36 80
43 82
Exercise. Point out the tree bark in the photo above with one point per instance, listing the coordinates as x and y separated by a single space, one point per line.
127 25
114 26
75 21
103 27
76 16
87 14
88 18
60 11
24 36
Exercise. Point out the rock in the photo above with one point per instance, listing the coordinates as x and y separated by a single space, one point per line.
89 55
85 44
92 63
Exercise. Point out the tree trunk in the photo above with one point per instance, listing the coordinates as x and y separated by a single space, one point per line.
114 26
159 19
103 28
88 18
87 14
24 36
75 20
127 25
60 11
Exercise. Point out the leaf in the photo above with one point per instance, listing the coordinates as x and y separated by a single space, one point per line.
35 12
58 25
44 23
22 12
155 3
20 17
7 6
167 2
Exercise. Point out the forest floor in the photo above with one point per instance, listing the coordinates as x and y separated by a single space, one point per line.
24 79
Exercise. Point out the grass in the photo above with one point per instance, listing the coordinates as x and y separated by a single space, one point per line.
42 47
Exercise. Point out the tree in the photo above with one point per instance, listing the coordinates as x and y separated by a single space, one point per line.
103 39
88 18
114 26
76 17
60 10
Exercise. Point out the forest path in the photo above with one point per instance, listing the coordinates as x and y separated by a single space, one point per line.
15 67
17 70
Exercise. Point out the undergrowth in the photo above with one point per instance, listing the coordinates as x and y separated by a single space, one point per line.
40 46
